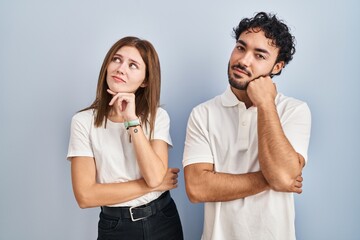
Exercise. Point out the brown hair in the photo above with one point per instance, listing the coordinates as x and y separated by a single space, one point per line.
146 98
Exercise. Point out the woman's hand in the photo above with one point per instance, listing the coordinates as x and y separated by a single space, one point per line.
125 104
170 180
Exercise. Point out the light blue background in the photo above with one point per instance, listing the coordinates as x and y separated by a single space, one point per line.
50 57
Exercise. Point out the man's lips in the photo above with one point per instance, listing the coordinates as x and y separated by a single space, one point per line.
118 79
240 70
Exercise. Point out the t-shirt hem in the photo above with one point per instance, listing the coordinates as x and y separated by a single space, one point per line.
201 159
79 154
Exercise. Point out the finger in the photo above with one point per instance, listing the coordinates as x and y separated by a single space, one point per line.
173 175
296 190
124 105
298 184
111 92
113 100
299 178
174 170
123 102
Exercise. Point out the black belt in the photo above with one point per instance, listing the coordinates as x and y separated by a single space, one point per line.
140 212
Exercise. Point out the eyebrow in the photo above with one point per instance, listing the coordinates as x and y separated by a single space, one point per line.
256 49
131 60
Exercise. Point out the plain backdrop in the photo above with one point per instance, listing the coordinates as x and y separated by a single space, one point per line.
50 57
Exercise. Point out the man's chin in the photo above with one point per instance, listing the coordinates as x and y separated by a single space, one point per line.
240 85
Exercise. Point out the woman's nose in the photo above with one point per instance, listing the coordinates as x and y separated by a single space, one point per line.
121 68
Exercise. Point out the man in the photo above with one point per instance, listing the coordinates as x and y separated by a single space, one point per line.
245 149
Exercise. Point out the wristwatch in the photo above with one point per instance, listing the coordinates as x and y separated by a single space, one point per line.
132 123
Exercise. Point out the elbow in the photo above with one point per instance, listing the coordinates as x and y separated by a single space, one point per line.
83 204
83 200
286 179
154 182
193 197
278 186
285 183
193 194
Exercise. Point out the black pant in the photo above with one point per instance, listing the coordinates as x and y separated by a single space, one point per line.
164 225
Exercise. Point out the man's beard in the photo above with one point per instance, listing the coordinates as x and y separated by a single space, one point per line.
240 85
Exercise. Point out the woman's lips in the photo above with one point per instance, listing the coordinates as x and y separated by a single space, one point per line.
118 79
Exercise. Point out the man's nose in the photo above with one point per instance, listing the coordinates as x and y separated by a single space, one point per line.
245 59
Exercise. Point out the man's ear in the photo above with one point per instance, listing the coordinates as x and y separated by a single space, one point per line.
278 67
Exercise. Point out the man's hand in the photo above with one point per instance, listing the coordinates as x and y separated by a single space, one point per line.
296 187
262 90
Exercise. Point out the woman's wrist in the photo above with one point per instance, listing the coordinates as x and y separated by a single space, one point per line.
132 123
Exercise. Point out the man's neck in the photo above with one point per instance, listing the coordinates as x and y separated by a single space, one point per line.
242 96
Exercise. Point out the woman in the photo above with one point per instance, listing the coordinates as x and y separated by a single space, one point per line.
119 148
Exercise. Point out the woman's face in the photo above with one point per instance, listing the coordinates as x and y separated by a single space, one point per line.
126 71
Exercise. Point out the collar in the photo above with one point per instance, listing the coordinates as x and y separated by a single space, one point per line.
228 99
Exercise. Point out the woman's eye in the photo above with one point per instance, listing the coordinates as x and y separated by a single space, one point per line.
116 59
133 66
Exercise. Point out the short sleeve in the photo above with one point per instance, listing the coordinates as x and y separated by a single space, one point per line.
297 127
162 126
197 145
80 143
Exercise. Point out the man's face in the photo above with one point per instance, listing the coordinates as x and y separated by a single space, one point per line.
253 56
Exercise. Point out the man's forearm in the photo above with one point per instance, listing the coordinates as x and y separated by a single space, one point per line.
210 186
279 162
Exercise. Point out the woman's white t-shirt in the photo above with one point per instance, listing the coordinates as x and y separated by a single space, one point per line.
112 150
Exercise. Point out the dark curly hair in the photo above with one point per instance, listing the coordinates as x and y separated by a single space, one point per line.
274 29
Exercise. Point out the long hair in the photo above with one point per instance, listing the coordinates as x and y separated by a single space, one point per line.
146 98
274 29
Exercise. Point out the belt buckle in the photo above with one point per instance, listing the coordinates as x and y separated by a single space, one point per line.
132 217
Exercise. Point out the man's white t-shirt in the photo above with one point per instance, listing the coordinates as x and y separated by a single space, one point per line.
222 131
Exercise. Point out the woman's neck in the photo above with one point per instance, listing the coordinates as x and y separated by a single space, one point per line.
115 116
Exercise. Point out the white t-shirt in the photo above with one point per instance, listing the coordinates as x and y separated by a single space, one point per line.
113 152
222 131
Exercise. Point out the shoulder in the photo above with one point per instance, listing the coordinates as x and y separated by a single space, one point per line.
285 103
288 101
84 117
162 115
161 112
211 103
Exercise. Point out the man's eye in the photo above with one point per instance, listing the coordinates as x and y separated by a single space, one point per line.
240 48
260 56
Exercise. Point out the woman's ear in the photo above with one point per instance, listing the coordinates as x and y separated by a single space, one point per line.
278 67
144 84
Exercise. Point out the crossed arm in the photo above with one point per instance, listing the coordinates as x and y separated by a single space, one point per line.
279 162
280 166
203 184
89 193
